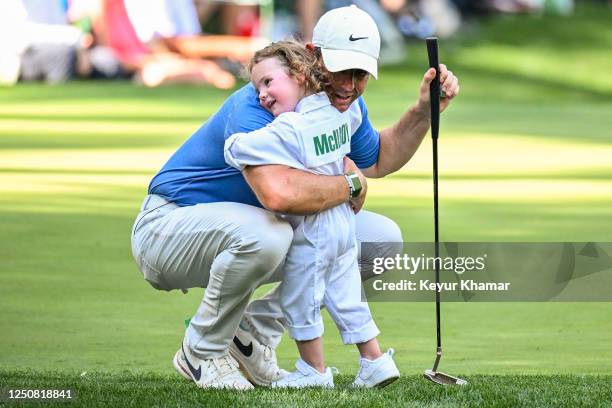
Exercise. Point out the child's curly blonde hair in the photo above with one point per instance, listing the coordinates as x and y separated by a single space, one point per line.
298 61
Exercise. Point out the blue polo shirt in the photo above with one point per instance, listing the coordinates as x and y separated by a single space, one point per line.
197 172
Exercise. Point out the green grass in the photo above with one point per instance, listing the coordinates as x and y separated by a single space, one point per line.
524 156
125 388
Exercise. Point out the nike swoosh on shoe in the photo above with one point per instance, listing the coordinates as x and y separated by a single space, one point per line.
195 373
246 350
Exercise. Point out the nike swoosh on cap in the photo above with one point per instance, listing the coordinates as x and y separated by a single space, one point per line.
196 373
351 38
246 350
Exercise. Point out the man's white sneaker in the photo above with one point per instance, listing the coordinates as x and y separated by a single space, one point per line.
257 360
222 372
180 365
377 373
306 376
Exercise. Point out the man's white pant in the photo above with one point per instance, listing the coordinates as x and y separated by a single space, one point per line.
230 249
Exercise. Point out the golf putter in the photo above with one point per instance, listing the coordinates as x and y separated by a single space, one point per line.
434 375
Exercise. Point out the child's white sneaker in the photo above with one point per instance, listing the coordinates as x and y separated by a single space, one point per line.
306 376
377 373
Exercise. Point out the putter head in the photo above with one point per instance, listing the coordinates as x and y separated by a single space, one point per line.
443 379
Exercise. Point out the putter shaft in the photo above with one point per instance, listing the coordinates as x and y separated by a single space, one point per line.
434 97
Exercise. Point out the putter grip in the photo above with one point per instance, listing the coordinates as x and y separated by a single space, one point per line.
434 87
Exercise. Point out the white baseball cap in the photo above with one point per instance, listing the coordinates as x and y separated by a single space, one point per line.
349 39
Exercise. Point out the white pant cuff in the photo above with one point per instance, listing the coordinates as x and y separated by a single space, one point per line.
367 332
304 333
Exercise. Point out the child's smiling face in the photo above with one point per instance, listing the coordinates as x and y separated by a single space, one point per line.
278 91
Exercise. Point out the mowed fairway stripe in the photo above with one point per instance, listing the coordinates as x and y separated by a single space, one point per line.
491 190
117 109
84 159
534 190
498 158
82 127
495 154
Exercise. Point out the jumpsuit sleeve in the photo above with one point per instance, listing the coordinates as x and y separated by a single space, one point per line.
277 143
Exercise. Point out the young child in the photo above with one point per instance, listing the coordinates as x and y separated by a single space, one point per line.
321 265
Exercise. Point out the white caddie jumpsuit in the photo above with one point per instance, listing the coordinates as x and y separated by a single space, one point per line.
321 265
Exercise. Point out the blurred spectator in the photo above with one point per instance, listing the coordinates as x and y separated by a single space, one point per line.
95 60
36 43
113 29
173 25
425 18
559 7
472 7
154 19
443 14
13 40
232 17
295 19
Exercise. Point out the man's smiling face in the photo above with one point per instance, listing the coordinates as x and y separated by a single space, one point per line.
346 86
